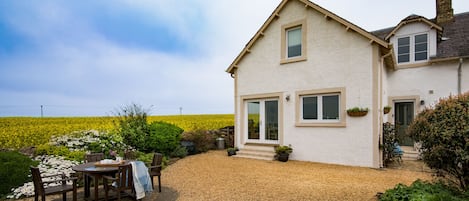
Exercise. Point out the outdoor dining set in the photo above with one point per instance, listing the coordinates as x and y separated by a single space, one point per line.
125 177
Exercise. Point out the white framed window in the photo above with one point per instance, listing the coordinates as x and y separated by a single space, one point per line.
293 42
412 48
323 107
320 108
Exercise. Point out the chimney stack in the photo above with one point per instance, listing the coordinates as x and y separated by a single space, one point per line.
444 11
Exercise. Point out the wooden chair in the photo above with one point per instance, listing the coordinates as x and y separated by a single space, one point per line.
155 169
129 155
121 182
93 157
40 188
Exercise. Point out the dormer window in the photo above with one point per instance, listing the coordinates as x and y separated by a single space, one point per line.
412 48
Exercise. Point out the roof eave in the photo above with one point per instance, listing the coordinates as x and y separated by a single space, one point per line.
326 13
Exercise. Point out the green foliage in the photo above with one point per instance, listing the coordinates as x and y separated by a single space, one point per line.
203 139
444 134
47 149
423 191
389 138
163 137
14 170
283 150
179 152
357 109
132 125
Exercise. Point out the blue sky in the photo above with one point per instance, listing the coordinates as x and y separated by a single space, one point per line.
87 58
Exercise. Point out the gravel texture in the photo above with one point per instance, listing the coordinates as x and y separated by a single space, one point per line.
215 176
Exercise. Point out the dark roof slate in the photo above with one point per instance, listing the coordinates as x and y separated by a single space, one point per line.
457 35
455 32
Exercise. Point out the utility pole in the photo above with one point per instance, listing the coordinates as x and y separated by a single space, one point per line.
42 111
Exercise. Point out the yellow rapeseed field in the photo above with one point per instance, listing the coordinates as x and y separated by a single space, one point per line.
18 132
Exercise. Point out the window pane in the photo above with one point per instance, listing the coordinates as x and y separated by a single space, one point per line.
330 107
310 108
421 38
271 120
420 47
420 56
403 58
294 42
403 41
403 50
253 120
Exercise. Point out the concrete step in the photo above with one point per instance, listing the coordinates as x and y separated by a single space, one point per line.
256 154
410 153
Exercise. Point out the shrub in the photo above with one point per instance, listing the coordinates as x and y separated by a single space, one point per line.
163 137
444 134
132 125
202 139
180 152
14 170
389 139
420 190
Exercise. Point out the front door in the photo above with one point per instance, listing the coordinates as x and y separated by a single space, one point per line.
404 114
262 121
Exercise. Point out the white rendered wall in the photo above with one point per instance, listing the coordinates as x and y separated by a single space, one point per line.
335 58
429 82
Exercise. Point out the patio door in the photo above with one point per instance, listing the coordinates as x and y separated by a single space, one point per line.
262 121
404 115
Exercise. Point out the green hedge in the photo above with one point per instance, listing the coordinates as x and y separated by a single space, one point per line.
14 170
424 191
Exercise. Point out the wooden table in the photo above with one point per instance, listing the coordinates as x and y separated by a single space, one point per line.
97 172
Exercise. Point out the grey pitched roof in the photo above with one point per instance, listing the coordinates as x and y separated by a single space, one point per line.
455 33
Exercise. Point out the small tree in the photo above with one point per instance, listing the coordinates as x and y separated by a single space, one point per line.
444 134
132 125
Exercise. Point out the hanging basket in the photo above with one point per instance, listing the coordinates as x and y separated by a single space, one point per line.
357 113
386 110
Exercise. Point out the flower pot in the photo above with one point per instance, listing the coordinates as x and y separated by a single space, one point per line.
283 157
386 110
231 152
357 113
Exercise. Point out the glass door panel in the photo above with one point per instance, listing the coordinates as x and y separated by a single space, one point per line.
271 120
253 120
403 117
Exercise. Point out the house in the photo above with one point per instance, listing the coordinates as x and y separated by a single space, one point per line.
301 71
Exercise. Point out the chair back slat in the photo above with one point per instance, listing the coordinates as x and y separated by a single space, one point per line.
94 157
37 180
125 176
157 159
129 155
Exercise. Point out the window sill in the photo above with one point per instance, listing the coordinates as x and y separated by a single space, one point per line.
335 124
412 65
292 60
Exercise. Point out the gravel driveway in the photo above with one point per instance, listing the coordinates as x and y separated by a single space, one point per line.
215 176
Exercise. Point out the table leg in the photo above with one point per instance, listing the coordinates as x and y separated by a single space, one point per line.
87 185
96 185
